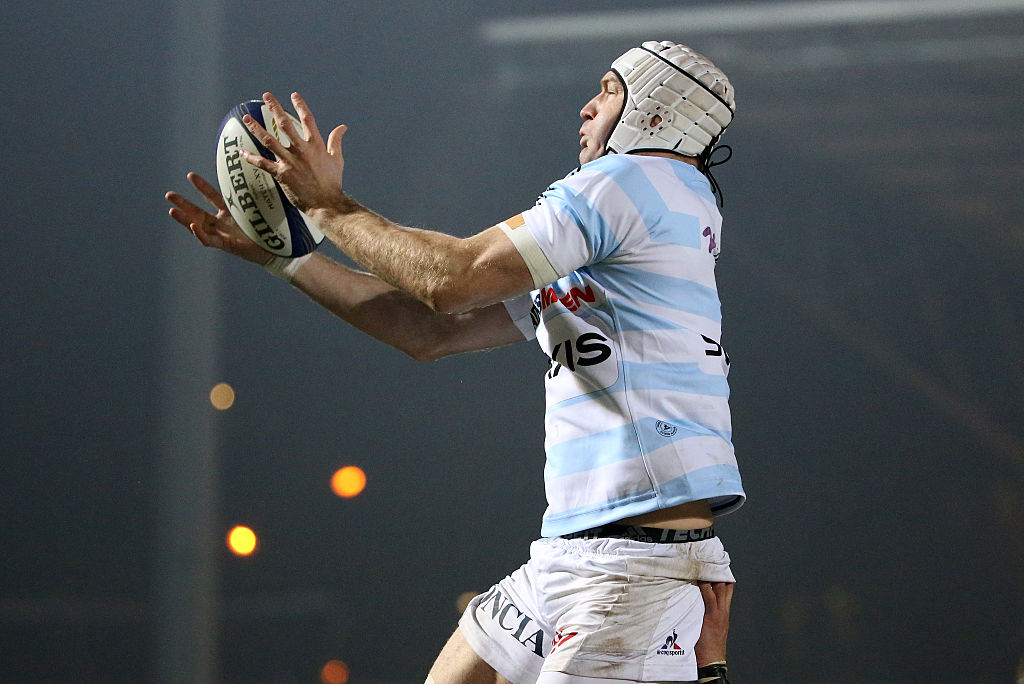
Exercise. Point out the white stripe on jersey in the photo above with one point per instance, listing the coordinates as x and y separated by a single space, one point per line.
653 404
669 259
652 346
684 320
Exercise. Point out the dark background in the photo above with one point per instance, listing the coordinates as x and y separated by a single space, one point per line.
872 292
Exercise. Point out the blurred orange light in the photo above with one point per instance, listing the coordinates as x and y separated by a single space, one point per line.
241 540
222 396
334 672
348 482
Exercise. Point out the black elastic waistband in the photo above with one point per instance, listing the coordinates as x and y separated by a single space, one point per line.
644 534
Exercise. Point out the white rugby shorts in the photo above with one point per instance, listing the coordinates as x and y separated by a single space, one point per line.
605 608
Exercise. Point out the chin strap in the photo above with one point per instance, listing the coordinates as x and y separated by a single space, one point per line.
707 163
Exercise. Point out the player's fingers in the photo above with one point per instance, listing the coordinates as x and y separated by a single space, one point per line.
311 133
179 216
258 161
707 593
723 594
265 138
194 226
190 211
334 141
283 121
211 193
201 235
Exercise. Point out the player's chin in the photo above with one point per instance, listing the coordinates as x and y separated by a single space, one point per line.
590 153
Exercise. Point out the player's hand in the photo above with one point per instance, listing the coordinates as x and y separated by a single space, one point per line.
214 230
309 171
714 632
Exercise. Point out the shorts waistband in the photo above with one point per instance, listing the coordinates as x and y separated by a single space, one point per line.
654 535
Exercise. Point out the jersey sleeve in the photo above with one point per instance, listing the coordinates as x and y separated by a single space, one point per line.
520 310
571 225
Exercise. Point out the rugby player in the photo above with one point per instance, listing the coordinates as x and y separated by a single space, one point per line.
612 272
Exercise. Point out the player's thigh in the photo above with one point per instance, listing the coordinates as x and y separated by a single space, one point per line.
562 678
458 663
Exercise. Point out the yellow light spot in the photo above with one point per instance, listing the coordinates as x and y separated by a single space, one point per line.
242 540
334 672
222 396
462 602
348 482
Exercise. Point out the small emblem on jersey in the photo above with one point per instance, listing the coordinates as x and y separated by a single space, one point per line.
665 429
561 639
711 237
670 647
713 249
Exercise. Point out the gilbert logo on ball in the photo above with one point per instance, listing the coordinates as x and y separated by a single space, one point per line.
256 201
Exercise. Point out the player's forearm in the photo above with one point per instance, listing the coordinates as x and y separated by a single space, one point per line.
373 306
708 656
426 264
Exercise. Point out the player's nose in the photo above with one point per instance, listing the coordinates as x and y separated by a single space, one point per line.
589 110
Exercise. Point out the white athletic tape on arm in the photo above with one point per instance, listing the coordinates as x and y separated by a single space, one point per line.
540 268
285 268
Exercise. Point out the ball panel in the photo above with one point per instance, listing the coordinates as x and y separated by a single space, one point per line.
254 198
251 195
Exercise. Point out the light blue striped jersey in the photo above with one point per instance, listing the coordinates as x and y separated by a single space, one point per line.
623 255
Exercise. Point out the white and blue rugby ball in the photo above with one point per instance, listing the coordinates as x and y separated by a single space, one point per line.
254 197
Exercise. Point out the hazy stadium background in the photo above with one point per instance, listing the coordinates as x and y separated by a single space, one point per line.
872 288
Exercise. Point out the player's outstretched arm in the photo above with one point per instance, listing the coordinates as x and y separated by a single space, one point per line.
361 299
398 319
446 273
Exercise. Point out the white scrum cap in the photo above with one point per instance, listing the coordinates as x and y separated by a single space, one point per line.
691 95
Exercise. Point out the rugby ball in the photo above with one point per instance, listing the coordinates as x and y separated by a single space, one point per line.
254 198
